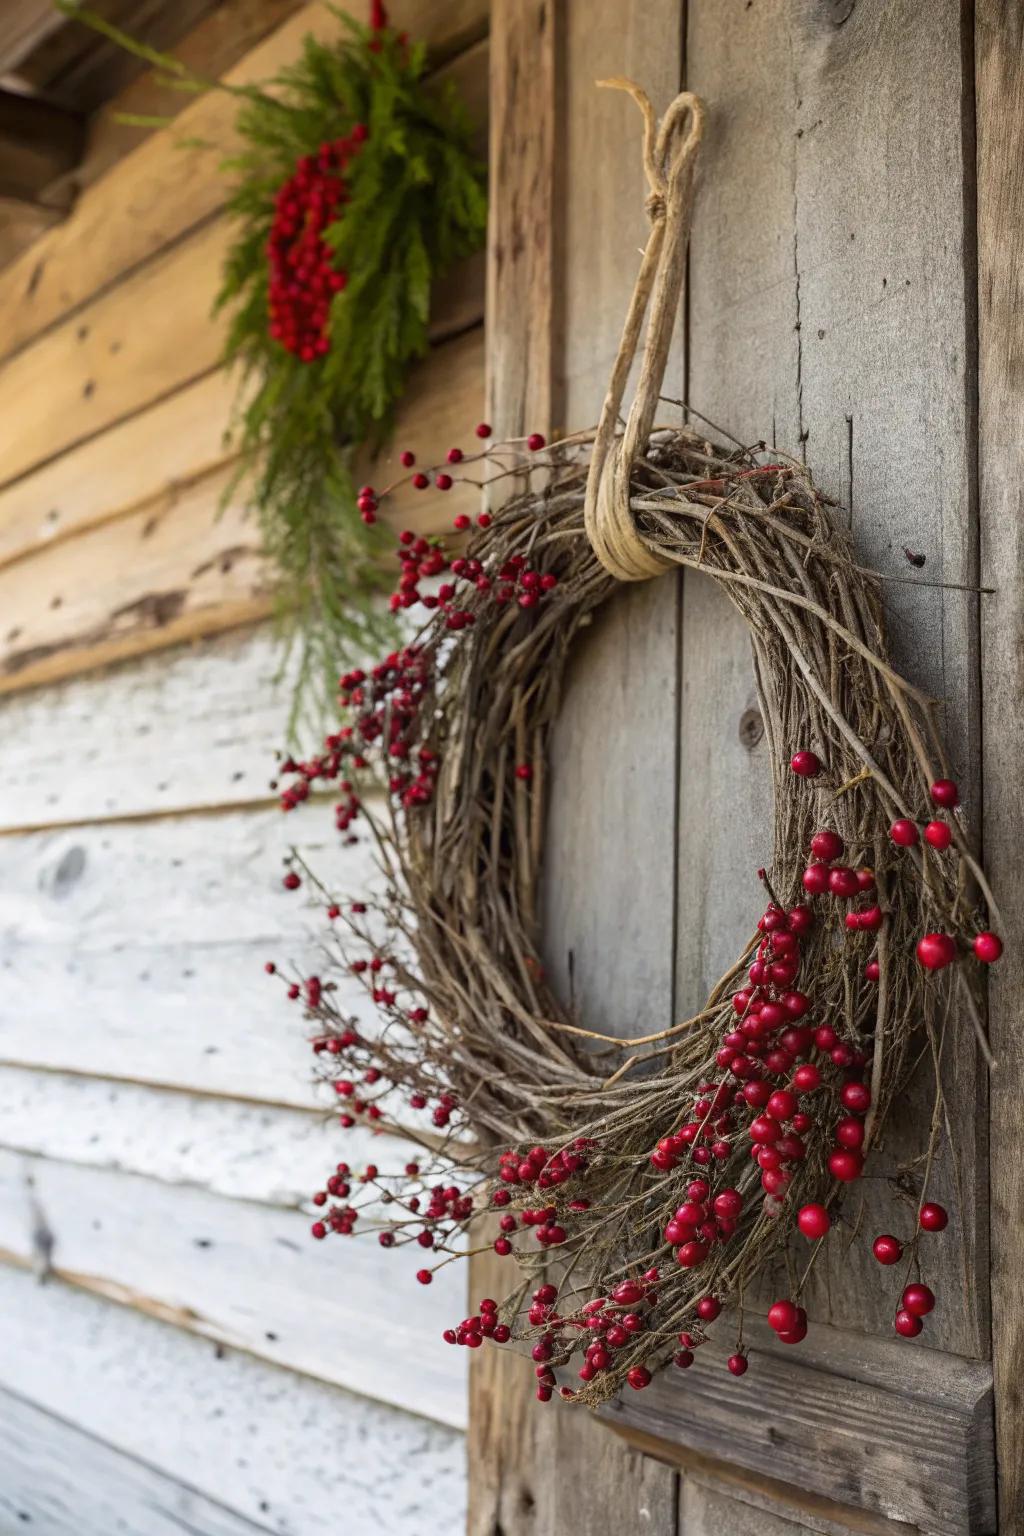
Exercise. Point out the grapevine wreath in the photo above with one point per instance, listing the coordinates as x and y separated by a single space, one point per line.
640 1187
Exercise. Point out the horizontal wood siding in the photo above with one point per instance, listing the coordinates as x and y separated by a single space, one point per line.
285 1453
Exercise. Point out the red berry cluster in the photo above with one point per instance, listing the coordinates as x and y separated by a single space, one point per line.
472 1331
303 280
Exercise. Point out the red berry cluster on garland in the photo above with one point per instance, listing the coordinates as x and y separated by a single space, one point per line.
303 279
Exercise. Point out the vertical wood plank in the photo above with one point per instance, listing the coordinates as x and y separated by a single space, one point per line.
533 1469
520 373
829 315
609 924
1000 118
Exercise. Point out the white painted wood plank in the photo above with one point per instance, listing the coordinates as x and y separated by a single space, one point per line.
243 1274
137 950
251 1151
289 1453
194 727
55 1479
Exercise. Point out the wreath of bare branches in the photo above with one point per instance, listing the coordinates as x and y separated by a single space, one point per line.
644 1185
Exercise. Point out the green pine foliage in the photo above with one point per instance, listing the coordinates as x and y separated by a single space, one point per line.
417 204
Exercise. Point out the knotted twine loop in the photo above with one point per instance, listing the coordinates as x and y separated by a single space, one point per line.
608 519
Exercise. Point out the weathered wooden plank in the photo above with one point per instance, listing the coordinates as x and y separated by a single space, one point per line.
163 189
832 1420
148 458
64 1482
160 934
143 459
520 381
822 334
240 1150
1000 191
242 1274
232 680
182 565
210 50
284 1451
621 782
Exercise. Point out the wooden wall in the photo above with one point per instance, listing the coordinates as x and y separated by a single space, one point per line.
177 1355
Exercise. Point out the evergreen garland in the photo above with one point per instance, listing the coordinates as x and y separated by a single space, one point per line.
359 111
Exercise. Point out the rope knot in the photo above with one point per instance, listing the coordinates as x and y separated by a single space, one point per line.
669 160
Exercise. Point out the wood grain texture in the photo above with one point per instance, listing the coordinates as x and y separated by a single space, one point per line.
184 563
235 680
292 1455
822 335
211 49
24 24
831 1420
521 359
243 1274
226 1146
620 782
59 1480
166 187
1000 119
160 932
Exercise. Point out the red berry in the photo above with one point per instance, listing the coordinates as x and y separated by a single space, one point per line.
484 520
462 522
850 1133
806 1077
291 881
827 846
813 1221
524 772
484 429
318 1229
783 1315
816 879
691 1254
872 970
420 480
708 1308
903 833
535 442
805 764
444 483
918 1299
843 882
455 455
801 919
887 1249
906 1324
935 951
781 1105
845 1166
933 1217
638 1377
683 1358
737 1364
855 1097
988 947
938 834
407 458
945 793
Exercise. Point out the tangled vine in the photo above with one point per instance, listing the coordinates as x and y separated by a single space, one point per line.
640 1186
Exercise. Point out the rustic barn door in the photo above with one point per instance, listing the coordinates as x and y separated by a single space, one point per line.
832 311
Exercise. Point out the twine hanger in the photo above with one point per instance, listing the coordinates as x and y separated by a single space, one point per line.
670 155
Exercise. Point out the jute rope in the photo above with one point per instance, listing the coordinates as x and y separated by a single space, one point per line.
670 155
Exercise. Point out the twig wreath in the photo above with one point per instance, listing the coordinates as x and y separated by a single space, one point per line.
641 1186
